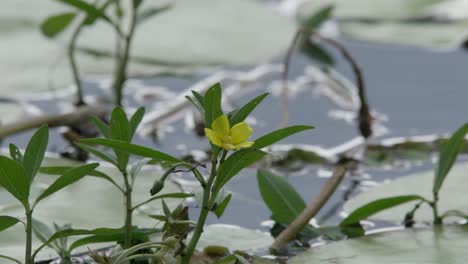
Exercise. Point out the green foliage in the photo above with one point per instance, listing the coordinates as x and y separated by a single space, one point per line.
7 222
212 104
278 135
376 206
17 175
282 199
448 155
316 19
56 24
91 10
242 113
235 163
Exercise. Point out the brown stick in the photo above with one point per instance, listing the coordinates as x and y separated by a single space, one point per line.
312 209
81 114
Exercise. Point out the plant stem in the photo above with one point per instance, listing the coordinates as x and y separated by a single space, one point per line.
120 76
73 64
435 210
27 256
204 210
128 213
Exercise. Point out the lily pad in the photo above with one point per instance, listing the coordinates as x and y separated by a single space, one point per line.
452 194
438 245
425 23
89 203
234 238
190 33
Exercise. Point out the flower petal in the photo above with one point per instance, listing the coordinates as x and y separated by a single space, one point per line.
221 126
241 132
245 144
213 138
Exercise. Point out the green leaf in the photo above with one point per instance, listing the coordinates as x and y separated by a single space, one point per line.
91 10
316 53
112 236
448 156
132 149
242 113
16 154
7 222
120 130
136 120
199 98
101 126
173 195
67 179
235 163
219 210
60 170
212 104
56 24
35 151
316 19
100 154
166 210
278 135
376 206
162 218
280 197
196 104
14 178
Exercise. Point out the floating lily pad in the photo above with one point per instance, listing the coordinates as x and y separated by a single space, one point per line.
234 238
452 194
191 32
89 203
438 245
426 23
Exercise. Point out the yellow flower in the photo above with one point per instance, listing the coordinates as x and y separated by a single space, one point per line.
229 138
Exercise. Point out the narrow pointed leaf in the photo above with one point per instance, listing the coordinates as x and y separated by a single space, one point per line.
120 130
374 207
100 154
278 135
101 126
136 120
316 19
242 113
282 199
448 155
219 211
67 179
212 104
132 149
35 151
7 222
14 178
237 162
91 10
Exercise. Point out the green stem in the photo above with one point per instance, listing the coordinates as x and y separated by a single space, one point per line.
128 213
27 256
204 210
435 210
120 75
73 64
